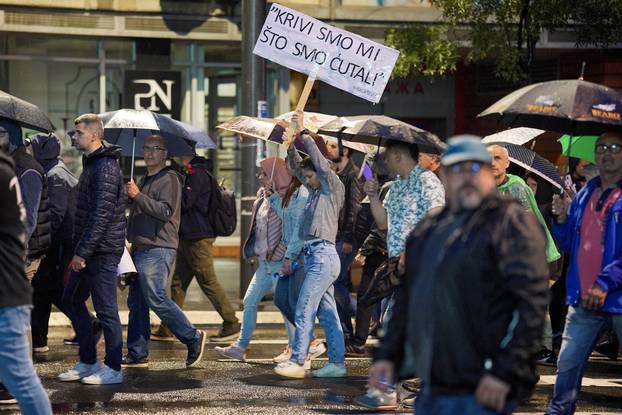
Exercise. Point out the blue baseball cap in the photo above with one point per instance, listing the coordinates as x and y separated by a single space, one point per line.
463 148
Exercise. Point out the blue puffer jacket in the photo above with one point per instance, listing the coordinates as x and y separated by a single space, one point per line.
100 214
568 236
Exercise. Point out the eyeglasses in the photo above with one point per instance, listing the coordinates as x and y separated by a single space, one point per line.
473 167
147 149
602 148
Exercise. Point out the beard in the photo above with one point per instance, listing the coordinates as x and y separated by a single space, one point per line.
335 159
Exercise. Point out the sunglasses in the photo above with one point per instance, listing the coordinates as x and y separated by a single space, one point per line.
602 148
473 167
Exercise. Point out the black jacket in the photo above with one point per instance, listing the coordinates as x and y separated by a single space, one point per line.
352 202
41 237
14 287
100 223
195 202
475 303
366 229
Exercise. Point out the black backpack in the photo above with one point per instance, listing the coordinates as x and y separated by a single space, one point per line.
222 213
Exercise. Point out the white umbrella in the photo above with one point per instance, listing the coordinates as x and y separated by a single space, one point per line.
517 136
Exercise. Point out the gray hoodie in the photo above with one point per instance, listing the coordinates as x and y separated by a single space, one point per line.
155 213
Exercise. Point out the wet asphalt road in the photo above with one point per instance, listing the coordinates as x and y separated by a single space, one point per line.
218 386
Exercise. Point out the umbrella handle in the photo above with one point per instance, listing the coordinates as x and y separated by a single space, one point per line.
133 154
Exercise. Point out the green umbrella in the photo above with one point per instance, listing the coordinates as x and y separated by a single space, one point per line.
582 146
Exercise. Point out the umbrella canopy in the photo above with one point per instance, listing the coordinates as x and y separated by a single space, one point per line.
272 129
574 107
197 135
24 113
581 147
128 128
518 136
377 129
533 162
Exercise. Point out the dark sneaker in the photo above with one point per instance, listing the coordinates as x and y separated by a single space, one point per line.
412 385
195 352
352 350
73 341
378 401
227 333
6 398
608 346
128 361
543 355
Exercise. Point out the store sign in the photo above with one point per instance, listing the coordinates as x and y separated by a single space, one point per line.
157 91
340 58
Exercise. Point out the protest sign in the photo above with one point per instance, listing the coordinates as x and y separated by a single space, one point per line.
342 59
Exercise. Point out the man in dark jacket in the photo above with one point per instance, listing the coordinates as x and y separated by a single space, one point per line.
16 370
345 244
153 231
476 293
99 233
48 281
34 187
195 252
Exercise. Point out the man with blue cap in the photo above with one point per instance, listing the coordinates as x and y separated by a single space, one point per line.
475 294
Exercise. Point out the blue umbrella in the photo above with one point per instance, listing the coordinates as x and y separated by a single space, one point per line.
197 135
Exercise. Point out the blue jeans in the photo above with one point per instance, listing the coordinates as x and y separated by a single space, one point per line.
428 403
286 295
16 370
342 290
583 328
149 292
317 298
98 280
262 282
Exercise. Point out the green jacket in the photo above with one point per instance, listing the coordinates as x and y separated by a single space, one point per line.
516 187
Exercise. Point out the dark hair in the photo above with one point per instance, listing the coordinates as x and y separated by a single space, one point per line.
412 149
293 186
307 164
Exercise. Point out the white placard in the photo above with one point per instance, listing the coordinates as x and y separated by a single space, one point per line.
342 59
126 265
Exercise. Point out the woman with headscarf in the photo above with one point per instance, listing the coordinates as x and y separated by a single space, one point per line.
266 243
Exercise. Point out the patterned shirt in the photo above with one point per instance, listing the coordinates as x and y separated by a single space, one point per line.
407 202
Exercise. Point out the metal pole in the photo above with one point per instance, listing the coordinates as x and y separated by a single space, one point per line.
253 89
101 55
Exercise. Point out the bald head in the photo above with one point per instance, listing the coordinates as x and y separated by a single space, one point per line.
500 162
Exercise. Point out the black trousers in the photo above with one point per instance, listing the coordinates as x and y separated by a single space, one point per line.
47 291
364 314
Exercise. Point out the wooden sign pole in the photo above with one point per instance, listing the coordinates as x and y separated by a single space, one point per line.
302 102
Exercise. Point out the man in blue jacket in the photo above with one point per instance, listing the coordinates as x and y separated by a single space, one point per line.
591 231
99 234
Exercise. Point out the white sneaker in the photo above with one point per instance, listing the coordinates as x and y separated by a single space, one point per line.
79 371
232 352
290 369
284 356
317 349
104 376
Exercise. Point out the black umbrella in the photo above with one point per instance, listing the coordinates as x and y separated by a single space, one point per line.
24 113
378 129
533 162
570 106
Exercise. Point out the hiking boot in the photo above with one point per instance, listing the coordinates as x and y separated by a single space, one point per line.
129 361
316 349
331 370
377 400
195 352
104 376
284 356
232 352
79 371
352 350
290 369
227 333
162 334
